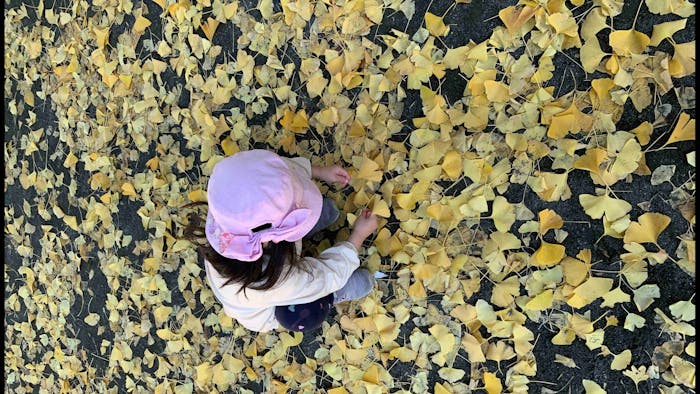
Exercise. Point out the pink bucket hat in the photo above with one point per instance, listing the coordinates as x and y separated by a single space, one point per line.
253 188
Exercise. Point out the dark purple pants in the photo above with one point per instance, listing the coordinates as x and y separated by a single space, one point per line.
304 317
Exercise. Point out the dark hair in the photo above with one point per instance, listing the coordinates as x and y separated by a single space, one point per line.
250 274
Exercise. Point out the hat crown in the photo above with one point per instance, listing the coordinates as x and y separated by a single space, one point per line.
250 189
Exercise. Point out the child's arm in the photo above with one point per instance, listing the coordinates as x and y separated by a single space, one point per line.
365 225
326 273
331 174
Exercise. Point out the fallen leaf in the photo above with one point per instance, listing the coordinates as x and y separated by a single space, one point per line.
492 384
647 228
645 295
628 42
621 361
683 131
662 173
592 387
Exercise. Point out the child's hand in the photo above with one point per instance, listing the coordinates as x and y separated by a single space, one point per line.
332 174
365 224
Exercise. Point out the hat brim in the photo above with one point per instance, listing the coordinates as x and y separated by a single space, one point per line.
310 199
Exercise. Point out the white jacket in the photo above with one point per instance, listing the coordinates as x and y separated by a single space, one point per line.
255 309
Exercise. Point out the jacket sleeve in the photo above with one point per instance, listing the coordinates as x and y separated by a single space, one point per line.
318 278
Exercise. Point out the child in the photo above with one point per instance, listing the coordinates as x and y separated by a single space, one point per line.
260 206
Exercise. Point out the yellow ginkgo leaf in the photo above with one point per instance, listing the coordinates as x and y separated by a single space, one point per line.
504 292
575 271
369 170
616 228
516 17
682 8
209 28
289 340
627 159
503 214
473 348
403 354
540 302
597 206
627 42
643 132
435 25
683 370
549 220
140 25
128 189
683 310
72 222
565 336
591 55
92 319
417 193
492 384
522 340
548 255
666 30
440 212
416 291
101 36
204 374
315 85
589 291
266 8
563 24
161 314
633 321
551 186
198 195
615 297
683 62
647 228
593 24
592 160
229 146
437 115
433 106
380 208
295 122
452 164
450 375
229 10
592 387
566 361
374 11
621 361
570 120
444 336
683 131
496 91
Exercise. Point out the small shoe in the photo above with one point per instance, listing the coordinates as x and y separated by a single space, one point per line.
360 283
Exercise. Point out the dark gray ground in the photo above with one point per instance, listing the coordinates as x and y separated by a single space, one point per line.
467 23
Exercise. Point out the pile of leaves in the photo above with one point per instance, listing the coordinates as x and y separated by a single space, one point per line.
118 111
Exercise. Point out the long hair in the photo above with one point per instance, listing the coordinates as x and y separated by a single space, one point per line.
281 258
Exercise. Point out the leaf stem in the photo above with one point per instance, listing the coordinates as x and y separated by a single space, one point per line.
637 14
